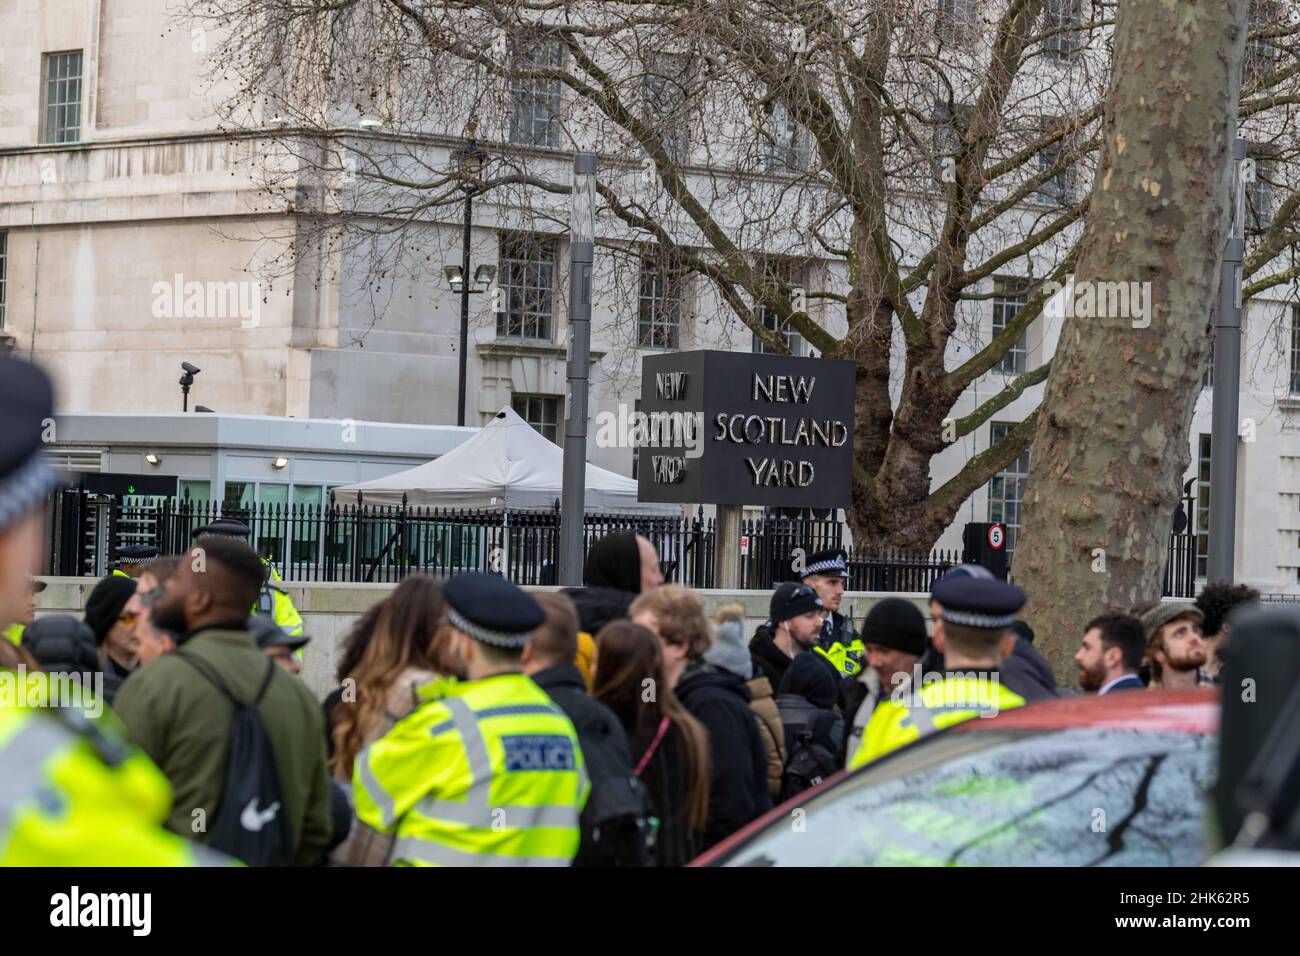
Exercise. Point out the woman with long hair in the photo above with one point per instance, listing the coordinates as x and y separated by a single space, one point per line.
404 650
670 748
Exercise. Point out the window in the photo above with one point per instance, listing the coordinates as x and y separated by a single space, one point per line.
62 97
659 315
1060 18
540 411
1060 187
1259 197
664 88
791 275
950 126
1007 488
535 120
4 262
1008 798
789 145
1295 350
1203 506
1008 298
957 20
1261 56
528 281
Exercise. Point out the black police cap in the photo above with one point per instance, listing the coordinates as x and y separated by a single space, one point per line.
989 605
831 562
136 554
223 527
492 610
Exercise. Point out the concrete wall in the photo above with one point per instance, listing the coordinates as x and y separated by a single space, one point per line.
328 611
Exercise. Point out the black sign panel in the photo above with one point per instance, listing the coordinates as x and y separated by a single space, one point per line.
102 483
737 428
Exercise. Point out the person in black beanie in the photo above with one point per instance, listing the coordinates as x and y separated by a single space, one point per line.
114 636
895 638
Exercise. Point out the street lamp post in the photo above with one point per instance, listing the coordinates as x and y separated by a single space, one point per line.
1227 384
470 162
582 239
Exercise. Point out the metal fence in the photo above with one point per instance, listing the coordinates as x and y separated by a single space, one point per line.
365 542
373 543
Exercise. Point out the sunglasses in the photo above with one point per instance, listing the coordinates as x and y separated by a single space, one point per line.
128 618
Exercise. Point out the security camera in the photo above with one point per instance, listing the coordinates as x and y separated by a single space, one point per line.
190 368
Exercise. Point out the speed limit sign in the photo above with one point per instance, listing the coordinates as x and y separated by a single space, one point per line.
997 536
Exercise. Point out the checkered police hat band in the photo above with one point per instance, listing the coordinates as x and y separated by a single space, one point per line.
821 567
987 622
25 488
486 635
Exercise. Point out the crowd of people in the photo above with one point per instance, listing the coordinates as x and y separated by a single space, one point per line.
475 723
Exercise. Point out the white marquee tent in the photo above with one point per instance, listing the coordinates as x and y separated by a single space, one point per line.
508 465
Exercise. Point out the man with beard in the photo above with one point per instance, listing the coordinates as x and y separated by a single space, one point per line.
180 710
793 626
1175 648
1110 654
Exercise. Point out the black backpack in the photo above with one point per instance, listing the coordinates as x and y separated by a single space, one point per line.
812 758
615 822
251 822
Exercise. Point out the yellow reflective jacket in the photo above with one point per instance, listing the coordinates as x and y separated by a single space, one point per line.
277 605
939 704
483 773
13 633
74 794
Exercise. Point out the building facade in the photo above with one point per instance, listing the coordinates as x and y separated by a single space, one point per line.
135 235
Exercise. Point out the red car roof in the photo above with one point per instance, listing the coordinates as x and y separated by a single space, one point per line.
1176 711
1188 711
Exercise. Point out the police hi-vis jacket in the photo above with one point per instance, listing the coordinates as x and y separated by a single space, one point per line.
484 773
936 705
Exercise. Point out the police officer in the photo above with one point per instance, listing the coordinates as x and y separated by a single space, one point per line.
273 601
73 794
826 572
486 772
131 559
973 634
14 632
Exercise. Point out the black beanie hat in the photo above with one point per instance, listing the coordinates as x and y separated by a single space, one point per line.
104 606
895 623
790 599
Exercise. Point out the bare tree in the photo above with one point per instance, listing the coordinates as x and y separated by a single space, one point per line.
1111 444
926 150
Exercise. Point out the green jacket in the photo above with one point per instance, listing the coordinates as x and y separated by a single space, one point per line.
176 716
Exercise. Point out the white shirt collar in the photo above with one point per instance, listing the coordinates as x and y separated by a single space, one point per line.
1109 684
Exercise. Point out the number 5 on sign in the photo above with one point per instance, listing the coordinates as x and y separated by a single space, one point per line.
997 537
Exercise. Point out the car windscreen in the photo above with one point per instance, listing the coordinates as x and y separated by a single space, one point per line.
1075 797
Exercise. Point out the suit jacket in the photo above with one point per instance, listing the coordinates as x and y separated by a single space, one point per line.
1130 682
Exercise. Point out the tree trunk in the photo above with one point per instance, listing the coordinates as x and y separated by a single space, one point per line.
1112 440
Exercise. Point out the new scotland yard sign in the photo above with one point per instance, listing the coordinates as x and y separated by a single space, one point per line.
736 428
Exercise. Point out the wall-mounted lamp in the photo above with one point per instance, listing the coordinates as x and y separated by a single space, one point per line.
153 459
280 463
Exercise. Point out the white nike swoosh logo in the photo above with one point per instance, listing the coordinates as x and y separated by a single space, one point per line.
253 819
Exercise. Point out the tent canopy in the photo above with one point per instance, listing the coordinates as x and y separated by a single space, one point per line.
507 465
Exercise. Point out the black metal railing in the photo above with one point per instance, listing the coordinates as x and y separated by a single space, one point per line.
385 543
